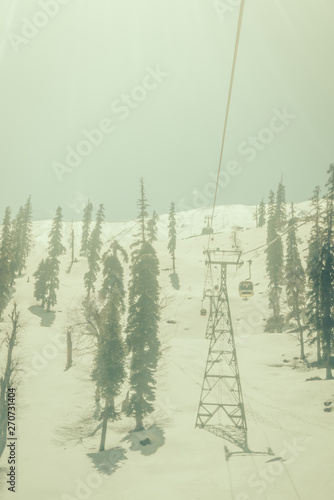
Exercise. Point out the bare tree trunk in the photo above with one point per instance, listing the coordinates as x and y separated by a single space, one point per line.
104 434
109 404
329 375
69 349
302 351
139 422
301 338
319 346
5 381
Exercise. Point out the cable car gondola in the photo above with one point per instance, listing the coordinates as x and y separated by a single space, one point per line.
246 289
203 312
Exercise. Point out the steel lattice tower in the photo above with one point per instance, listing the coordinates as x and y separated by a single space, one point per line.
208 292
221 408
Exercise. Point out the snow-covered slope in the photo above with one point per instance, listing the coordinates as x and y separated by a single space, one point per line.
57 427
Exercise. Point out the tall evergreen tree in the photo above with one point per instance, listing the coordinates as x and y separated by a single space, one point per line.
56 249
262 213
280 207
295 277
256 216
152 228
41 281
327 278
21 238
71 241
109 367
94 248
86 222
113 272
143 214
52 281
172 233
274 268
27 229
143 323
271 206
47 273
313 269
5 260
16 244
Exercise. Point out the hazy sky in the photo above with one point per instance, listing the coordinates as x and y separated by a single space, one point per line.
153 75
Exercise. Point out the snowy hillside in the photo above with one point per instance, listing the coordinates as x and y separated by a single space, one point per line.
57 429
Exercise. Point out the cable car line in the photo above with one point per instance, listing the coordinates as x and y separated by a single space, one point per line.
227 109
296 225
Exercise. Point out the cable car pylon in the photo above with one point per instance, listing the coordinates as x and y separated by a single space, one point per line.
221 407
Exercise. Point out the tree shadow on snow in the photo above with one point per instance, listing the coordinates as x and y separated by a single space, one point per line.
107 462
47 318
175 281
146 441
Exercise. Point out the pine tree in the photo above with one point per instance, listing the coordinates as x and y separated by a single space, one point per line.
94 248
113 272
27 231
41 281
52 273
86 222
109 368
47 273
262 213
256 216
152 228
295 277
56 248
274 268
327 278
313 270
172 233
142 206
5 260
280 207
17 244
143 323
21 238
271 206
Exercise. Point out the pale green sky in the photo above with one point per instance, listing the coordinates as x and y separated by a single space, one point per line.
70 73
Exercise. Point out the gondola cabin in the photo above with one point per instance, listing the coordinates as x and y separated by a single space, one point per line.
246 289
203 312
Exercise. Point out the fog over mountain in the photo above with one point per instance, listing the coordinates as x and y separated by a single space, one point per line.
94 95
